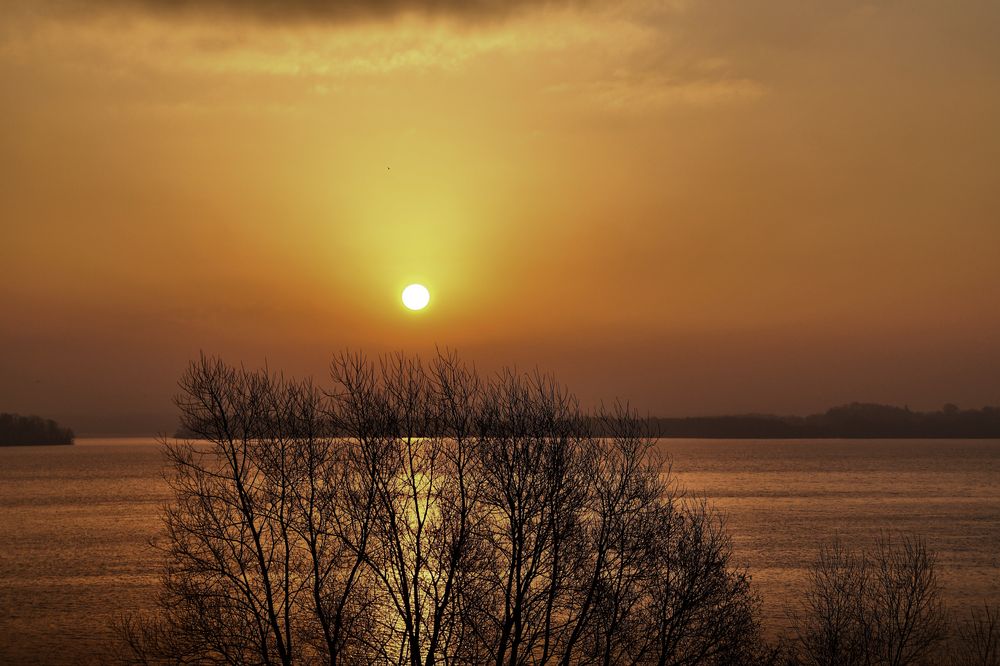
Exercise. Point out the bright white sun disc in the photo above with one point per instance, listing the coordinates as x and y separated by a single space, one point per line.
416 297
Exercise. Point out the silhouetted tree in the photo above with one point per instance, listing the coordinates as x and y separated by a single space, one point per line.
17 430
416 514
978 637
877 607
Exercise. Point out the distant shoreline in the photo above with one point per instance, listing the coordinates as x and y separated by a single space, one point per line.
23 444
852 421
18 430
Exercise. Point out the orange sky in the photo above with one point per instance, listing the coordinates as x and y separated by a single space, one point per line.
702 206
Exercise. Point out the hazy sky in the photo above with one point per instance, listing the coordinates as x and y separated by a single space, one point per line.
703 206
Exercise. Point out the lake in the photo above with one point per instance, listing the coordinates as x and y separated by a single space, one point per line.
75 523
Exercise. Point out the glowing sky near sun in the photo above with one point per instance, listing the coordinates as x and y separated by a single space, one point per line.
703 206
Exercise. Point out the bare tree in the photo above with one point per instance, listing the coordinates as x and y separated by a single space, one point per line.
420 456
872 607
414 514
261 554
533 490
979 638
666 590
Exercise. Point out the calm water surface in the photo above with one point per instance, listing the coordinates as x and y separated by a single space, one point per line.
75 523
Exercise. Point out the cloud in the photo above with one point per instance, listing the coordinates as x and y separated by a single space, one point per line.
327 11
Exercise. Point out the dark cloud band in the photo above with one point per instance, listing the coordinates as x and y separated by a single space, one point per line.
320 10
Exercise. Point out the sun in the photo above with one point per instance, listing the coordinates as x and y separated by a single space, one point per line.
416 297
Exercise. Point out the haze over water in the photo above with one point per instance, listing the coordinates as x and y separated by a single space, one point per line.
76 522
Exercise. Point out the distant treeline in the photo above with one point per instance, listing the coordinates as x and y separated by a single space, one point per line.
17 430
856 420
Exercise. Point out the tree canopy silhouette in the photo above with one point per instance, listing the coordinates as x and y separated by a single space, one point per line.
17 430
419 513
